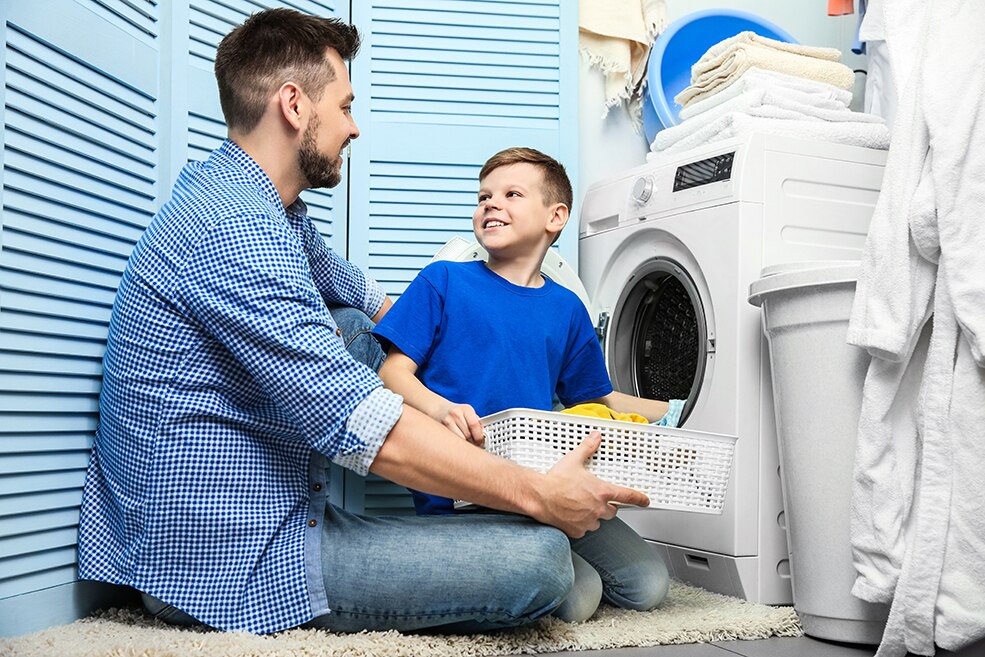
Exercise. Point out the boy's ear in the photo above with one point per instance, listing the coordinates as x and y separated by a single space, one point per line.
557 219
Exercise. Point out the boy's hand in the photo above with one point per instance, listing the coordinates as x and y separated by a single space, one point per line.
463 420
575 500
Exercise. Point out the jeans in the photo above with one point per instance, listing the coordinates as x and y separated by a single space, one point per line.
615 564
460 573
357 335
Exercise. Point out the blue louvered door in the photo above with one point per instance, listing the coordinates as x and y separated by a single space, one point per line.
80 178
440 86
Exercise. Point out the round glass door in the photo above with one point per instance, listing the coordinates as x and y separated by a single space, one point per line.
660 340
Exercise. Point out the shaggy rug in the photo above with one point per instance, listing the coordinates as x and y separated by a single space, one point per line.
688 615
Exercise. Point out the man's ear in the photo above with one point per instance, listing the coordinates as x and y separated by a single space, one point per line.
558 218
290 103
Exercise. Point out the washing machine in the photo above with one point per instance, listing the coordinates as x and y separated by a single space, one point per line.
667 251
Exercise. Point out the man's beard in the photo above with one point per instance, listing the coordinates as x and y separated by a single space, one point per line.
318 170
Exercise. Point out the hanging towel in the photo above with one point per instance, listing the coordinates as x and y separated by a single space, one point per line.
616 36
604 412
730 65
736 124
817 94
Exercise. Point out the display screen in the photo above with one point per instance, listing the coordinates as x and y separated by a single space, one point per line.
703 172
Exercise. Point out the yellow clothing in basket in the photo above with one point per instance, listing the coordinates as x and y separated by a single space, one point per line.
604 412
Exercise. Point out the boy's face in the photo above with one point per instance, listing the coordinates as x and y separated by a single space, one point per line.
512 217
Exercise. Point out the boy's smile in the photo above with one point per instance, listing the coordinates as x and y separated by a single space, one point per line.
511 211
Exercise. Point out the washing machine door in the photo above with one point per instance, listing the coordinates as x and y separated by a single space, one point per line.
657 340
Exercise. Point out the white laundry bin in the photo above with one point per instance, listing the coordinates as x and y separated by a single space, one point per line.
817 392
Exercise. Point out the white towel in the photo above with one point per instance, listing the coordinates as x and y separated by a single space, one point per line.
822 96
616 36
799 104
740 57
734 124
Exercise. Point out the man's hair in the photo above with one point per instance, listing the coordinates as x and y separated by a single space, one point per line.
557 187
270 48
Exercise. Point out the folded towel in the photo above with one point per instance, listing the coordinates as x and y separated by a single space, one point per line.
748 37
615 36
724 69
604 412
790 105
735 124
819 94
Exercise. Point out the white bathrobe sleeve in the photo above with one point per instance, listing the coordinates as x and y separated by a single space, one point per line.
956 123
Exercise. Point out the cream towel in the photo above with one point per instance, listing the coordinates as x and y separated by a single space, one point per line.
616 36
740 57
823 96
734 124
748 37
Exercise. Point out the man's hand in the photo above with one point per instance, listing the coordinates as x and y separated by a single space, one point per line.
463 421
574 500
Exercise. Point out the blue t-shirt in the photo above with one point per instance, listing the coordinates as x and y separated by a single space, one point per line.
478 339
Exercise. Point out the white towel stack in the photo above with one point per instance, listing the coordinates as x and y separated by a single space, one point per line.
749 82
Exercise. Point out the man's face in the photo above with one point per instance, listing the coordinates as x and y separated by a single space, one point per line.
329 131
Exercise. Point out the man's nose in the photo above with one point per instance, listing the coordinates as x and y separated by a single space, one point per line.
353 130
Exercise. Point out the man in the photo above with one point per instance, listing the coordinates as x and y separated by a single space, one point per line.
226 386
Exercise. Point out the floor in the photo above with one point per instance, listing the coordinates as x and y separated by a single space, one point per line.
776 647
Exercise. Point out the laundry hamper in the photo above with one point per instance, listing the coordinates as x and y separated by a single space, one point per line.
676 468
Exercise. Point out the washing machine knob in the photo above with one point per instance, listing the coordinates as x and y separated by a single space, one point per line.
642 189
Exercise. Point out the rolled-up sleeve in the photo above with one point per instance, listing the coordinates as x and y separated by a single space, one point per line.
249 285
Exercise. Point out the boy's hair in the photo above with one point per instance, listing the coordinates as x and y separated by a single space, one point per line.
270 48
557 186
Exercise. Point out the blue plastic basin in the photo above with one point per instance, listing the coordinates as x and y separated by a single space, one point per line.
680 46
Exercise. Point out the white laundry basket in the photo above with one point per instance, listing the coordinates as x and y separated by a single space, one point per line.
676 468
817 393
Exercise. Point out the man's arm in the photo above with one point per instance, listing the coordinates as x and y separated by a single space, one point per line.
399 374
338 280
651 409
421 454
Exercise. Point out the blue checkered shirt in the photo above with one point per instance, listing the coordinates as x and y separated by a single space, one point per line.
225 391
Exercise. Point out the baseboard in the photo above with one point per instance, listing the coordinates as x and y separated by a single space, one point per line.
39 610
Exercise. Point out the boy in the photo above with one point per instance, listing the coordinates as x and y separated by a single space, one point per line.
499 335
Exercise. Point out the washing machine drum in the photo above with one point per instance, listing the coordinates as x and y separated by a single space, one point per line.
658 346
